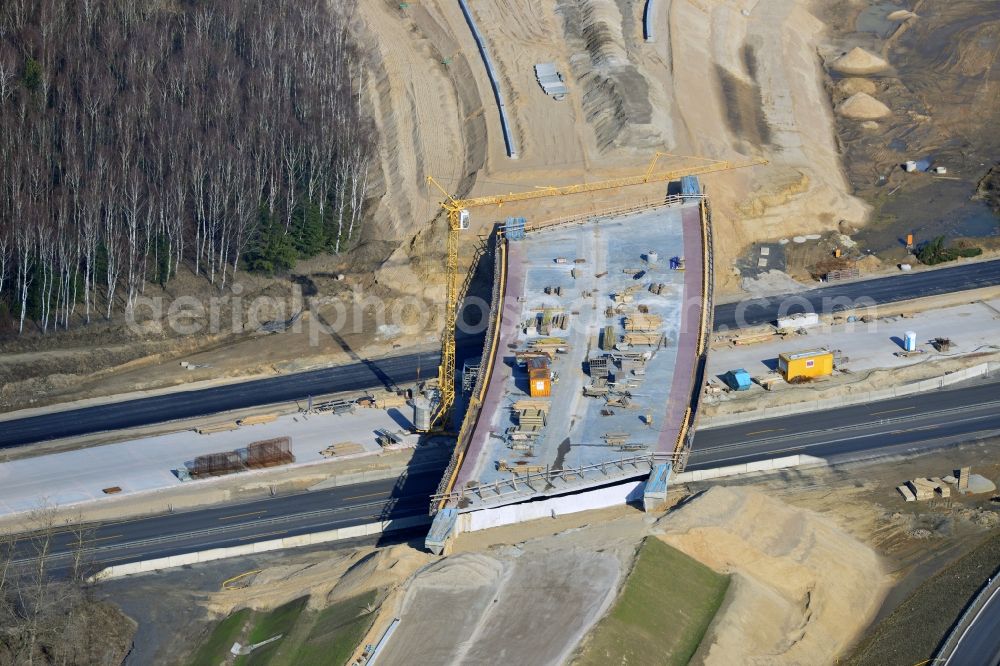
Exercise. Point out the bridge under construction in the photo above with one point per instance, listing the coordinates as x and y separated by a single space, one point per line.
593 359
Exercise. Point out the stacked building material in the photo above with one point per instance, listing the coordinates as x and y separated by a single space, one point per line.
548 345
608 338
650 339
643 323
531 419
550 80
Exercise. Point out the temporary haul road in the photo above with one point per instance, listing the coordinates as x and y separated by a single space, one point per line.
406 368
902 424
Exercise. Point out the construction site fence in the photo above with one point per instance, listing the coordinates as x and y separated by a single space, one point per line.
514 485
485 371
508 137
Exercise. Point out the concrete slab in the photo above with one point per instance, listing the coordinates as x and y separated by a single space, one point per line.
588 264
972 327
146 464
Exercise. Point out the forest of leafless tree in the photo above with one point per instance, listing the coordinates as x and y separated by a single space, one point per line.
138 137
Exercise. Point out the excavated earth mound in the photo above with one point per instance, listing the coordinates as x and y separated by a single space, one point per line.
855 85
859 61
803 589
862 106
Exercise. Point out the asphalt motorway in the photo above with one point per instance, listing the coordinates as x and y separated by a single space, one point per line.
922 417
980 644
826 300
920 421
386 372
407 368
232 524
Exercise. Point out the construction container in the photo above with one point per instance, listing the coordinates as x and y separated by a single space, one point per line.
910 341
810 363
539 378
738 380
652 257
690 188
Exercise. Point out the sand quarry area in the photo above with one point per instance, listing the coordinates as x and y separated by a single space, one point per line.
721 80
814 556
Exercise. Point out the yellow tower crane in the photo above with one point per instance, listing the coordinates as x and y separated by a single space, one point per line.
458 220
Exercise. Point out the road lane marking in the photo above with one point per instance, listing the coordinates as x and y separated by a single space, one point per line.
116 536
363 496
891 411
761 432
258 536
244 515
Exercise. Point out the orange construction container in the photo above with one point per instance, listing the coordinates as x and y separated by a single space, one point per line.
539 378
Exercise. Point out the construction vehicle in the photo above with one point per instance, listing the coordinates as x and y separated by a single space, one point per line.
459 219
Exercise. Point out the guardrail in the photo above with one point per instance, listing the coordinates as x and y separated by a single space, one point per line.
508 138
514 485
648 15
968 617
613 211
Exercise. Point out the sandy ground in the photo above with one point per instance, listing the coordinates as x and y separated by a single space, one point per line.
720 83
527 605
803 588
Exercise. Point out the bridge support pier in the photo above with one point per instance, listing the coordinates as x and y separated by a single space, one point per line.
655 494
442 531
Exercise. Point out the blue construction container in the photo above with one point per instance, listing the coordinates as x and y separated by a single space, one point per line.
513 228
738 380
690 188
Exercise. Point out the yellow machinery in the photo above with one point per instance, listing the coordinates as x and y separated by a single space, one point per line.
458 220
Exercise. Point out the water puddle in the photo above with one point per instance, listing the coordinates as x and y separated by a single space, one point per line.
873 19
